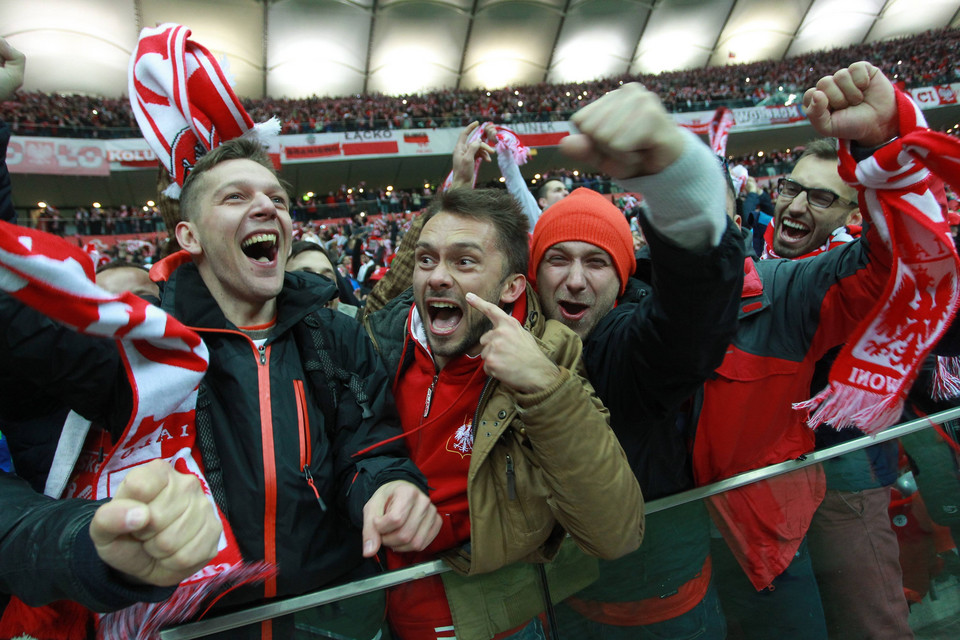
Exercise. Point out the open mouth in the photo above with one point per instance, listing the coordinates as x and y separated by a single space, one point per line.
445 317
260 247
793 231
573 310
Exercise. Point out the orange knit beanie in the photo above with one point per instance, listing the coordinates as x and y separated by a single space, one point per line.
585 216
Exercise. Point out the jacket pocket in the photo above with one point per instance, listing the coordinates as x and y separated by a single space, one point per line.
523 496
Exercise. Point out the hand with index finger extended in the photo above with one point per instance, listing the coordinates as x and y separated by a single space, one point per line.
400 516
510 353
494 313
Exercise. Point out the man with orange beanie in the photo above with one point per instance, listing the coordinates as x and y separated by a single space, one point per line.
647 347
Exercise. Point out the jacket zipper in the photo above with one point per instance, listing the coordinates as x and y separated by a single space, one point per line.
511 480
430 390
262 355
303 420
269 468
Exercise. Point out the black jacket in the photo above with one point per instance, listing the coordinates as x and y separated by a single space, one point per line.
656 348
48 368
647 358
49 365
269 503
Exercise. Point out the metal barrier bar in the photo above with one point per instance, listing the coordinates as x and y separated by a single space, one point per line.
287 606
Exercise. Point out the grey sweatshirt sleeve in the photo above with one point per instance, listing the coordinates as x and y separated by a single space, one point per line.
687 200
517 187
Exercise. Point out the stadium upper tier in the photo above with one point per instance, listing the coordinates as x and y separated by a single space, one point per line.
926 59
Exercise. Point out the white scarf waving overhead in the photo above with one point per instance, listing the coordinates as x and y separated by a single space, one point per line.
165 362
874 371
507 142
183 101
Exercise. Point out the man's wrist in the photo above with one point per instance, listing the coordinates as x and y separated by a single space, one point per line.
861 151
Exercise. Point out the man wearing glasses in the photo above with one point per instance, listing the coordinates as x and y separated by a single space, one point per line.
792 313
853 515
806 226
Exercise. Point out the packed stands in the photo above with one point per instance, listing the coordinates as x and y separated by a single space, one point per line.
924 59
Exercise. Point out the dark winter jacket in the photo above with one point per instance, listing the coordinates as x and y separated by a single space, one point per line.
646 358
272 509
269 503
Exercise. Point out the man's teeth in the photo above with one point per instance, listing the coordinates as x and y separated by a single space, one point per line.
790 224
443 305
260 237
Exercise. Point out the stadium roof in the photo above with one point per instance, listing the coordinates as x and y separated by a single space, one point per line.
298 48
336 47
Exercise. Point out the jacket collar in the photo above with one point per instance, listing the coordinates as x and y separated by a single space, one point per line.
185 296
753 298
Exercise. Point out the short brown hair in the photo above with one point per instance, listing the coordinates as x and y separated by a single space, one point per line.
237 149
821 149
542 191
499 208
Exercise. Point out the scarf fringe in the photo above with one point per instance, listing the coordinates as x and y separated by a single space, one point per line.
945 384
144 621
842 406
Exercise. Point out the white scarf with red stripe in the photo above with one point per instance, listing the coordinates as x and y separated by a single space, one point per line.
183 101
165 362
719 130
873 373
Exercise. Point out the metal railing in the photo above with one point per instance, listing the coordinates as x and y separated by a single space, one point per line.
325 596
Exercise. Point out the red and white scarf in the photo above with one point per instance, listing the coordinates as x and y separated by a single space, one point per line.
183 101
507 142
719 130
839 237
874 371
165 362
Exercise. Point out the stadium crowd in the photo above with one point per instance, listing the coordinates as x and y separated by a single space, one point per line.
918 60
648 322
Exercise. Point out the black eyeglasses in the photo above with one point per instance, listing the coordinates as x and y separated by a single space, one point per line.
819 198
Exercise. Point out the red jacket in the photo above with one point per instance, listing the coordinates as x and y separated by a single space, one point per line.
792 312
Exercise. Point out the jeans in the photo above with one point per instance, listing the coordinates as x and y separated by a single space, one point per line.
789 609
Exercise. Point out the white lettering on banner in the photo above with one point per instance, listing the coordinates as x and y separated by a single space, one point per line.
14 153
131 155
72 157
57 157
